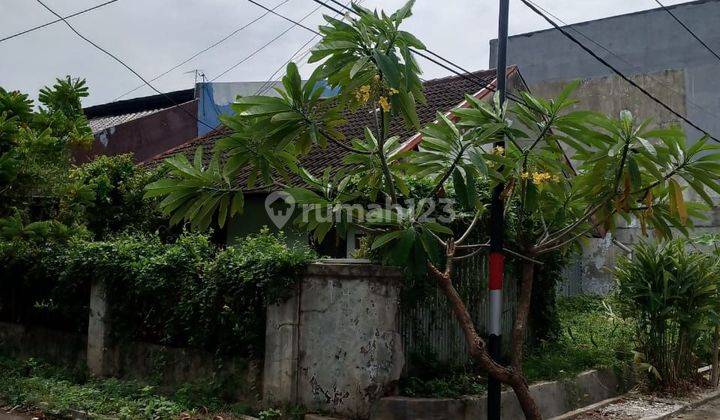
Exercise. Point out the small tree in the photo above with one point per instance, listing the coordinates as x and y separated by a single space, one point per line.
619 168
35 147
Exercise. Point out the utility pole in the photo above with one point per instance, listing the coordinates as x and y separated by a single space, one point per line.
497 231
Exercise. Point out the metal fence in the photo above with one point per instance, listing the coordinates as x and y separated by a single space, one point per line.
428 325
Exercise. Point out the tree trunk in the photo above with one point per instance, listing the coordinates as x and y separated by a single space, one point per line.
521 317
716 357
478 350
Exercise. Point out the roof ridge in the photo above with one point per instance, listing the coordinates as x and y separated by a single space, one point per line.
484 73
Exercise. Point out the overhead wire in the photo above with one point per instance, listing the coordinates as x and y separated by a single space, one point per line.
114 57
278 36
466 74
267 85
617 71
206 49
690 31
620 58
72 15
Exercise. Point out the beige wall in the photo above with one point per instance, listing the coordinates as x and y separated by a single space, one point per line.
611 94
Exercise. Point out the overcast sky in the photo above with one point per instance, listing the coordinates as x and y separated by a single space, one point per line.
154 35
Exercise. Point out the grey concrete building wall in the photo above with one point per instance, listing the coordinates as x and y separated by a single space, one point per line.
655 52
649 42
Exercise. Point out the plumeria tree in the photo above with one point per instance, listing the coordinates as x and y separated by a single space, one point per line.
567 174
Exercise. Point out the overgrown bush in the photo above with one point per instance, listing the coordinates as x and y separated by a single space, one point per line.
112 196
184 293
34 384
671 293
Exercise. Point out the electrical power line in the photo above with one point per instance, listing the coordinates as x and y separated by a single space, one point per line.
690 31
114 57
269 82
615 70
619 57
278 36
286 18
204 50
35 28
466 74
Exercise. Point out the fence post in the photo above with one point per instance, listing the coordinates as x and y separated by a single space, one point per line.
281 351
98 331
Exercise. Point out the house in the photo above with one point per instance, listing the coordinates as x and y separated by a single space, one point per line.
442 95
656 53
143 126
150 125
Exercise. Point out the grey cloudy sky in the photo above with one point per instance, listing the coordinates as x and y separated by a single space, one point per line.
154 35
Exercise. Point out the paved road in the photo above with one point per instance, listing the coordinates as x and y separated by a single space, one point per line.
709 411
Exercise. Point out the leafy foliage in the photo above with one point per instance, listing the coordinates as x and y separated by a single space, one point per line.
35 147
212 298
591 336
672 294
108 197
34 384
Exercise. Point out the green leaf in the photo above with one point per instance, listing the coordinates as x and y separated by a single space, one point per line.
359 65
677 200
304 196
385 238
437 228
238 201
460 188
388 68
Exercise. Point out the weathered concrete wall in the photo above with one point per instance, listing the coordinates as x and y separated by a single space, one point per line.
611 94
98 338
167 366
341 333
553 399
655 52
648 42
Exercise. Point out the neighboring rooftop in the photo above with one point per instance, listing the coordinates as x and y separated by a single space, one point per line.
442 95
102 117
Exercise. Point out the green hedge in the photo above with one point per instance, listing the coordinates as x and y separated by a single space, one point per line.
185 293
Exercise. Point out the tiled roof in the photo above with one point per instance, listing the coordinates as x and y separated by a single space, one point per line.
442 95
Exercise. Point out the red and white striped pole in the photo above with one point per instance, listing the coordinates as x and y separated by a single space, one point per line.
497 232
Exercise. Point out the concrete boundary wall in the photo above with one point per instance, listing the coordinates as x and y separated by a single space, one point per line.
554 398
335 346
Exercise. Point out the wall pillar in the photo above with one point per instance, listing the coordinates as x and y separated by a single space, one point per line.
281 348
98 331
336 346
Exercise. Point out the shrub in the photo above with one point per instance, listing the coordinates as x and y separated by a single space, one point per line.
112 196
184 293
671 293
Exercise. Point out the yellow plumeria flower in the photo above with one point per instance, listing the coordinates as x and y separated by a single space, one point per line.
525 175
384 104
541 177
363 93
393 91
